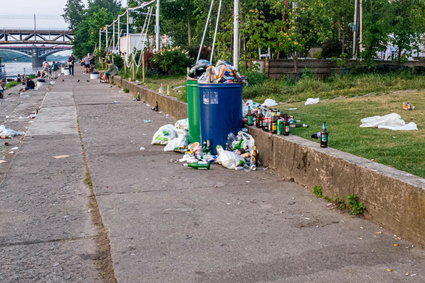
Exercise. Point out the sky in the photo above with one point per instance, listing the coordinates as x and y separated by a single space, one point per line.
20 13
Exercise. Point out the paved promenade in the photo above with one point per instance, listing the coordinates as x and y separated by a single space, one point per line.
81 202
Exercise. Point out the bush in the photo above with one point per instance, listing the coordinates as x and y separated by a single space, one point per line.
11 84
172 61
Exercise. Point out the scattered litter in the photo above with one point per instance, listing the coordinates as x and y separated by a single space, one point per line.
15 148
395 245
142 148
389 269
164 135
310 101
9 133
391 121
147 121
180 86
269 102
60 156
408 106
11 152
116 102
291 109
2 161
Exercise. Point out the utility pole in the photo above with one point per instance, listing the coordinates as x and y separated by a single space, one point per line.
35 27
113 37
100 40
157 26
106 44
236 35
361 26
355 31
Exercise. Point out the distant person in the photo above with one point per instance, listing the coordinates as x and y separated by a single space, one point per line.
87 64
45 69
71 62
2 88
18 78
38 75
112 71
55 68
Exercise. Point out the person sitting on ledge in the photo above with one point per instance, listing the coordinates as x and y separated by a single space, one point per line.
28 84
112 71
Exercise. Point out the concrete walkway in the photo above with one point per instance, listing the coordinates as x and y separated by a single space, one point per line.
165 222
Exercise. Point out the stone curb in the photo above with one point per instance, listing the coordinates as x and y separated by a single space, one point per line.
394 199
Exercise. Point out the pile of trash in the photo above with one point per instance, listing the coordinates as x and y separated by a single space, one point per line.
269 119
223 72
6 133
240 152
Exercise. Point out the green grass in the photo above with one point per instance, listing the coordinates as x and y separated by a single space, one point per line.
399 149
11 84
287 90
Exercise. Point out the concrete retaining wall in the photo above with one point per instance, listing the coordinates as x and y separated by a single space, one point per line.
394 199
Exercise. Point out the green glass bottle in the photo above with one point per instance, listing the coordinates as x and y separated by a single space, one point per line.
200 165
324 136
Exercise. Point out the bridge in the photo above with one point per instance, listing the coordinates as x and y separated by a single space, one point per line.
37 44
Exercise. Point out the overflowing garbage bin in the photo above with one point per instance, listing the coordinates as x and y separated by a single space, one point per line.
220 111
193 110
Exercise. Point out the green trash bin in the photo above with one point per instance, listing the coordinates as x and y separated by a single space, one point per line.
193 111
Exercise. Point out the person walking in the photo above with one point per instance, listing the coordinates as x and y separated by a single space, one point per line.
71 62
87 64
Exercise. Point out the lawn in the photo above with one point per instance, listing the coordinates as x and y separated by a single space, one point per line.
399 149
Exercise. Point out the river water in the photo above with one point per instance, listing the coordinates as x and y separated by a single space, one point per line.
15 68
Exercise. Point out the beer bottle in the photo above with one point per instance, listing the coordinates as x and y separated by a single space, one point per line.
274 123
249 117
259 120
200 165
286 126
324 136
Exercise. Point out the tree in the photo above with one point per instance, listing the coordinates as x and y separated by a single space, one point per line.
376 28
73 13
95 17
407 25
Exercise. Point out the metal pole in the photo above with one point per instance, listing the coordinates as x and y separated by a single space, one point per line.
355 31
100 40
361 27
119 33
157 26
236 35
127 48
106 44
113 37
35 28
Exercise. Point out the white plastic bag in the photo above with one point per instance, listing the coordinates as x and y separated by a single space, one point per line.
9 132
310 101
164 135
269 102
391 121
182 124
229 159
180 141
